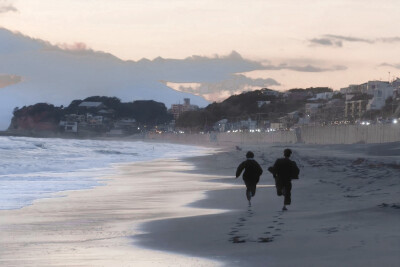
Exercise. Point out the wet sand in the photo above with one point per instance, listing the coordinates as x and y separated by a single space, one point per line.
94 227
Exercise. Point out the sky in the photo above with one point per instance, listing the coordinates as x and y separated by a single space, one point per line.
301 43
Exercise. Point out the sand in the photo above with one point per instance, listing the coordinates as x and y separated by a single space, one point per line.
345 212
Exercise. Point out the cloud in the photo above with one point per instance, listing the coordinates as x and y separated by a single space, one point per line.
217 91
305 68
397 66
6 80
326 42
338 40
77 46
6 7
348 38
390 40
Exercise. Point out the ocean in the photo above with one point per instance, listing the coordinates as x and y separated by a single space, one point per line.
35 168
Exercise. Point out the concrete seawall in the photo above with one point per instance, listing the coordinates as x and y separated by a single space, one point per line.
337 134
350 134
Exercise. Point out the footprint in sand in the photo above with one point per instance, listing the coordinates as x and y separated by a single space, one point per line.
329 230
238 229
237 239
265 239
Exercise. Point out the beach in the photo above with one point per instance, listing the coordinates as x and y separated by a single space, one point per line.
192 212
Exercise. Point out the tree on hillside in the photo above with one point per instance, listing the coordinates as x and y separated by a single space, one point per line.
49 111
196 120
149 112
28 117
110 102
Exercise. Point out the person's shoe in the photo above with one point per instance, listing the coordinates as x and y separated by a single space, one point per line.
284 208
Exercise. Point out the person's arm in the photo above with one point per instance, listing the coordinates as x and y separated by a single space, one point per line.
239 169
275 168
295 170
260 170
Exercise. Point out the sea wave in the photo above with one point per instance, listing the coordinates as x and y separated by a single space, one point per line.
33 168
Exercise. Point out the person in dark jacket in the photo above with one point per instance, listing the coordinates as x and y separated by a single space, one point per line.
251 175
284 170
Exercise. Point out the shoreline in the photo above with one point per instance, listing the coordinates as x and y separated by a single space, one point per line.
92 227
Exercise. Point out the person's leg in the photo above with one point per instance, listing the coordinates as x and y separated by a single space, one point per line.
248 190
279 186
248 193
288 193
253 189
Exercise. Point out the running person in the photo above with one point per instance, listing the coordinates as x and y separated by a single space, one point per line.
284 170
251 175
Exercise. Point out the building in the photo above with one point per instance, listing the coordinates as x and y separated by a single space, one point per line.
75 117
323 96
371 95
69 127
380 91
354 89
355 109
178 109
94 120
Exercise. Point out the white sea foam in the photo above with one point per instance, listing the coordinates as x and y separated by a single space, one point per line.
33 168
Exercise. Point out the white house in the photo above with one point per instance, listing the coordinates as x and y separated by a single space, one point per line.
324 96
94 119
69 127
380 91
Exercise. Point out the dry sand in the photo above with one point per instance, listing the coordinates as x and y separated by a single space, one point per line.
345 212
337 218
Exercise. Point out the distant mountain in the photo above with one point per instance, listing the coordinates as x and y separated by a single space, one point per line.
33 71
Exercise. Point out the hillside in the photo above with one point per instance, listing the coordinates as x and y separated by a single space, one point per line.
107 115
264 104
